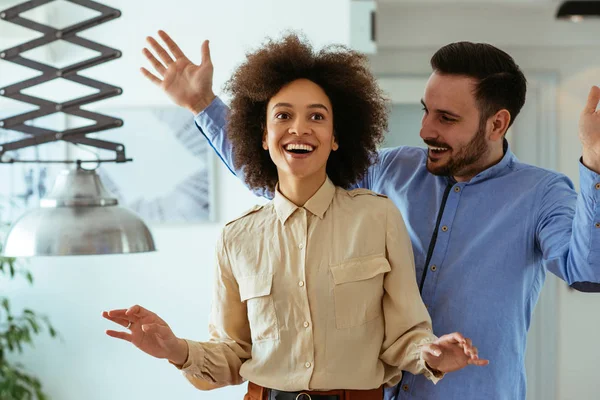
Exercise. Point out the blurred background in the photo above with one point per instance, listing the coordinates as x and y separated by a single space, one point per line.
561 60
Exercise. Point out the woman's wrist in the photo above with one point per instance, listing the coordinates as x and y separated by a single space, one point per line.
180 354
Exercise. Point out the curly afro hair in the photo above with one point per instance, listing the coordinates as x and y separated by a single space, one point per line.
360 109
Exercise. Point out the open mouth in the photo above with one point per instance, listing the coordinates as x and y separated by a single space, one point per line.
298 148
438 150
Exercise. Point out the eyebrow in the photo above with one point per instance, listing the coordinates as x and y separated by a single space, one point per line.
316 105
442 111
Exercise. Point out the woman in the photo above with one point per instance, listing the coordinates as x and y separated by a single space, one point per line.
315 295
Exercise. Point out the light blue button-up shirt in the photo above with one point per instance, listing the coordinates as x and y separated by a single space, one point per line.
482 249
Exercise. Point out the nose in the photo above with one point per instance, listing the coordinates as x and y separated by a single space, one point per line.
427 131
300 127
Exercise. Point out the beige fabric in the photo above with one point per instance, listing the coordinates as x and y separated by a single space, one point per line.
314 298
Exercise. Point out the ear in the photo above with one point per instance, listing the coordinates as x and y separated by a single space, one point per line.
264 140
334 143
500 122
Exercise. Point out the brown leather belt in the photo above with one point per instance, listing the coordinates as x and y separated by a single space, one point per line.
256 392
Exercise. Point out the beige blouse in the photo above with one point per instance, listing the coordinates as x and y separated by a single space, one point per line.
314 298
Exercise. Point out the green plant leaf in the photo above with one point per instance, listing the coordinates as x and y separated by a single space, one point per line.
11 267
29 277
34 325
6 304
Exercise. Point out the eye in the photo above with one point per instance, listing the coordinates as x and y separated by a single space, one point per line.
446 119
317 117
424 110
282 115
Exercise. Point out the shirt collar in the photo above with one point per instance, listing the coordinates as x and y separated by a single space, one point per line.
317 204
498 169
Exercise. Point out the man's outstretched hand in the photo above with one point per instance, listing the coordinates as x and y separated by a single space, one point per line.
188 84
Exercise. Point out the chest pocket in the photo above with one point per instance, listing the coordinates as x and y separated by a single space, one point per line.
358 290
256 292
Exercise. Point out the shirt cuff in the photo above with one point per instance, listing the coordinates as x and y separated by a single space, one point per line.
432 374
213 119
195 359
589 181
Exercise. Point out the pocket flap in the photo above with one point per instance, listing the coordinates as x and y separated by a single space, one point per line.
255 286
359 269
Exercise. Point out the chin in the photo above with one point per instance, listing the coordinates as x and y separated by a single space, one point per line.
437 169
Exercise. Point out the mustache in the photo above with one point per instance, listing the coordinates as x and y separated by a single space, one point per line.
435 143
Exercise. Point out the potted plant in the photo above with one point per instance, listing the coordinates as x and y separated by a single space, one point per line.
16 331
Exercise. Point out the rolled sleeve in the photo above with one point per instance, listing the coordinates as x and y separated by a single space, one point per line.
407 322
217 363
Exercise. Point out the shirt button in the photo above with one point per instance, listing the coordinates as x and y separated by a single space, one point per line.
434 268
457 189
597 224
301 283
306 324
444 228
405 388
307 365
597 186
301 246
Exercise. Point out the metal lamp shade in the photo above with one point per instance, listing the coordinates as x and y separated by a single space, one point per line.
579 10
79 217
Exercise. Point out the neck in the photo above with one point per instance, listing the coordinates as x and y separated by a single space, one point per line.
493 157
300 190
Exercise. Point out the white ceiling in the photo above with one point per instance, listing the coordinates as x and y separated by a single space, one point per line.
404 24
510 3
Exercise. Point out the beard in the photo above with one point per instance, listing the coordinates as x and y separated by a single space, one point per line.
465 161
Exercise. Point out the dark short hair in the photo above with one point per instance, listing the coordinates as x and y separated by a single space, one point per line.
359 107
501 83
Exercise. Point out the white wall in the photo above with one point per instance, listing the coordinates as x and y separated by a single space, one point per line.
410 34
176 281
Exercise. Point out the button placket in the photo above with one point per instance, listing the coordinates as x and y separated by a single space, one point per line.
301 245
442 242
307 340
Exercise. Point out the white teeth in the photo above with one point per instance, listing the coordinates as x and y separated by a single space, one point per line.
437 148
299 146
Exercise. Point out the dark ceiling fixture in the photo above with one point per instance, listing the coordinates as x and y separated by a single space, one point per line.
577 11
79 217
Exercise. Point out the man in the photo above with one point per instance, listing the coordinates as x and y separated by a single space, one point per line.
483 225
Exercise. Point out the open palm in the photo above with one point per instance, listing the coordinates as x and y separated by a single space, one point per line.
188 84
